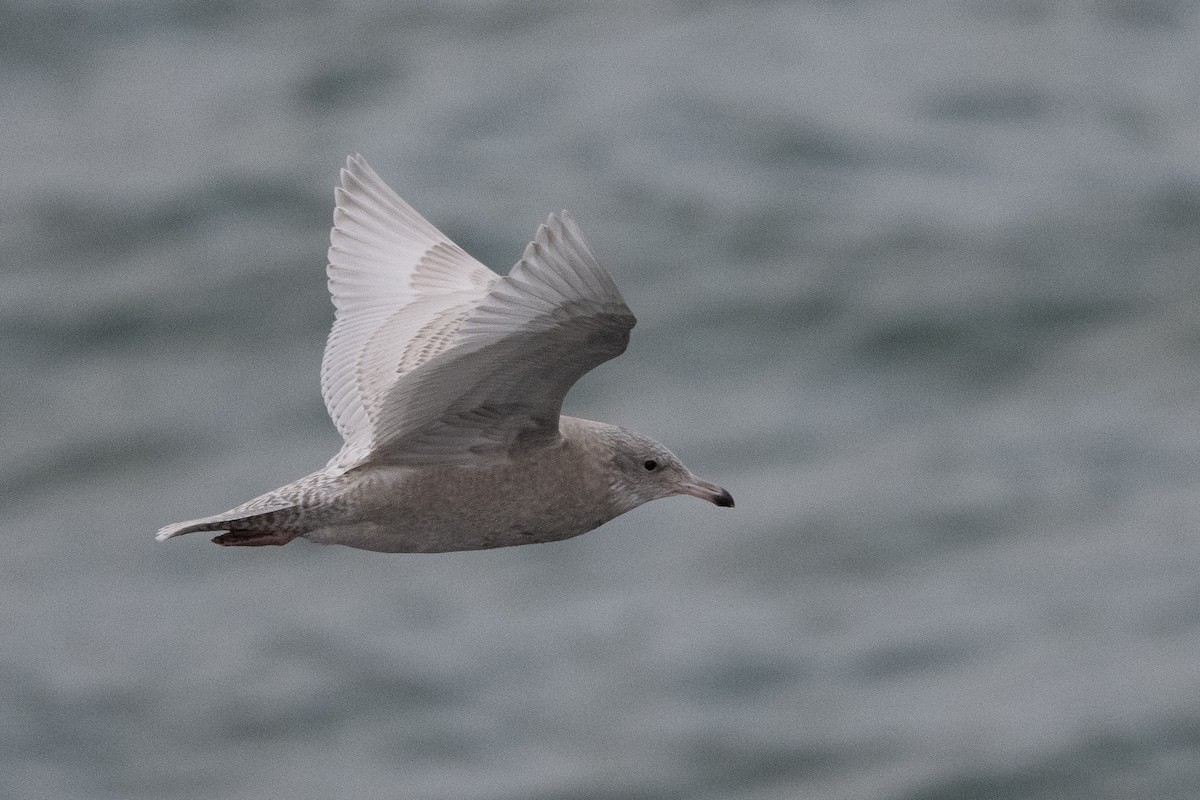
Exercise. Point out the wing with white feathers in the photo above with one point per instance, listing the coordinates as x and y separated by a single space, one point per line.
512 357
400 289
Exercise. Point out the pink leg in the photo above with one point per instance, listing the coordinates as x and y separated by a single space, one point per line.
254 538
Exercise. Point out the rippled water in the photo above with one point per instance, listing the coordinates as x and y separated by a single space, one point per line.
917 281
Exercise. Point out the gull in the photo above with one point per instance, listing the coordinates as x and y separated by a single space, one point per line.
446 383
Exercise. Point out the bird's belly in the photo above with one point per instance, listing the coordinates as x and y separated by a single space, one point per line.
413 515
383 537
394 537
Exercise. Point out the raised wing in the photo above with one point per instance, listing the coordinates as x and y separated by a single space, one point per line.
501 384
400 289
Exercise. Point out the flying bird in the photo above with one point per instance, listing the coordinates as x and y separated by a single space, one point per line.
446 383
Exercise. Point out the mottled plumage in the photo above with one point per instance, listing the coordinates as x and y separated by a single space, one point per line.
445 381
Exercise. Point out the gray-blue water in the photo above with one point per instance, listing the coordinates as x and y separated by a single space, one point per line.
917 281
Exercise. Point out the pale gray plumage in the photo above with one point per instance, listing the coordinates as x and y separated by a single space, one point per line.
446 382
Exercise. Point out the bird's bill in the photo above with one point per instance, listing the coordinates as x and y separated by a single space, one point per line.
707 491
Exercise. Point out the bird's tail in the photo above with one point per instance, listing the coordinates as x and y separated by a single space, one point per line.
218 523
251 523
274 513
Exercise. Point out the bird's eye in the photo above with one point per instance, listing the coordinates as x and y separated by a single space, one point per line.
650 465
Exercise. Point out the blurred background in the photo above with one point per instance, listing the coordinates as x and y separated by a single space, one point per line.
916 281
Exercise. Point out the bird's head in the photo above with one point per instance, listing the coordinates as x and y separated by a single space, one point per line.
645 471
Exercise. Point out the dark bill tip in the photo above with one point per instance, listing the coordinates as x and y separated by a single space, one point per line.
708 491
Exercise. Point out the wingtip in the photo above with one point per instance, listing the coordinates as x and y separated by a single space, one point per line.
556 227
558 220
571 227
356 166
